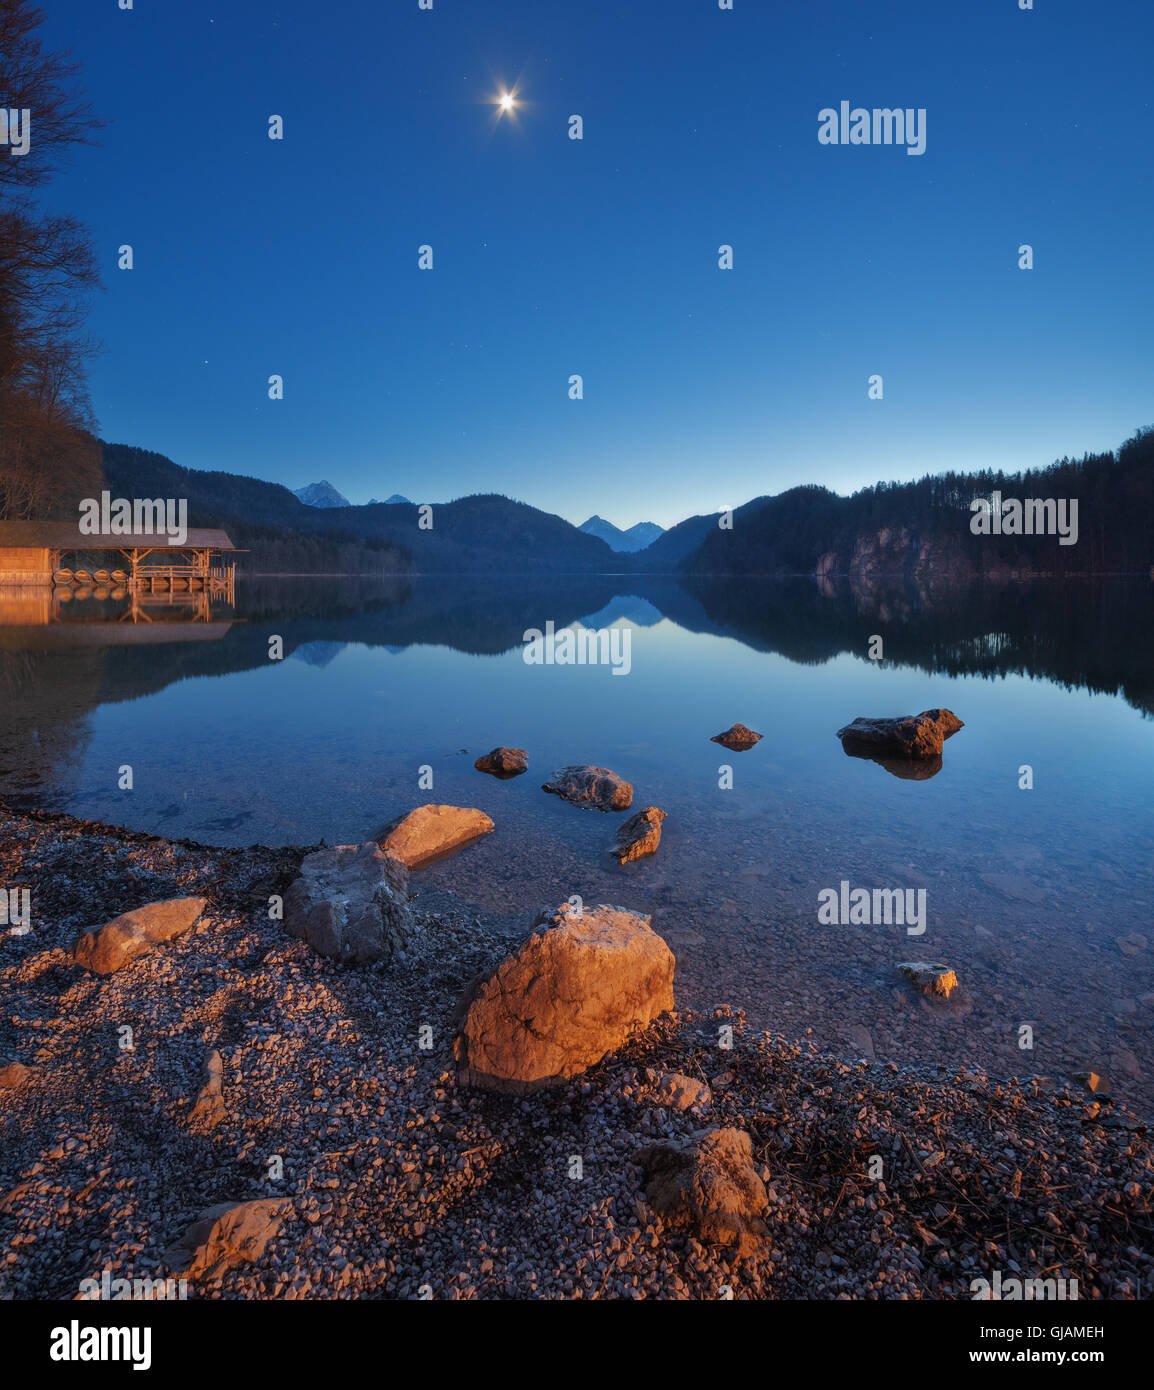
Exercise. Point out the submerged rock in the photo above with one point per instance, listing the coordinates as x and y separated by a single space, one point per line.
710 1185
503 762
120 941
738 738
639 836
595 787
431 832
905 736
937 981
574 990
1091 1080
350 902
229 1234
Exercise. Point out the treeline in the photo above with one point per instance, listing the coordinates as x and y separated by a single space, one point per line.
47 269
794 532
281 534
275 550
481 534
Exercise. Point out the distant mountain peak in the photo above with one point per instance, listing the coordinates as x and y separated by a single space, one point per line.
321 494
624 542
393 501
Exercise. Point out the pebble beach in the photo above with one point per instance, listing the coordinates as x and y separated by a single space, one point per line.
337 1111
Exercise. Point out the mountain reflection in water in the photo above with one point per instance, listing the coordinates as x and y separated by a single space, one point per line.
1026 889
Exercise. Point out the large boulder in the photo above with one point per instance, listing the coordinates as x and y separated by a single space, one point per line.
709 1185
639 836
117 943
905 736
593 787
574 990
229 1234
503 762
432 832
350 902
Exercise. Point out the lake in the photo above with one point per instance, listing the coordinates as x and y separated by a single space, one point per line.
1028 891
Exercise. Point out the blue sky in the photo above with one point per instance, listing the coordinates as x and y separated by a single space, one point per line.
702 387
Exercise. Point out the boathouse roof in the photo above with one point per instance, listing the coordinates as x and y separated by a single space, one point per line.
66 535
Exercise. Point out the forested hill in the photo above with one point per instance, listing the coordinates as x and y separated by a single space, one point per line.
473 535
919 530
925 526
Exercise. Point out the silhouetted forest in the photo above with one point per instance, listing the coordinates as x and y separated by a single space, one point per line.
895 528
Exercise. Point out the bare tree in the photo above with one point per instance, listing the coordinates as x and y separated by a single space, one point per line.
42 83
48 457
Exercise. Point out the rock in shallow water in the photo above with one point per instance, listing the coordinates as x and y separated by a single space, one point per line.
595 787
351 903
503 762
937 981
120 941
906 735
431 832
738 738
639 836
574 990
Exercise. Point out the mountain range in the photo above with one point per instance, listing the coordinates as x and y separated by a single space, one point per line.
916 531
624 542
323 494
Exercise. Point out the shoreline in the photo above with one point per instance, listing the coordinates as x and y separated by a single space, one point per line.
398 1180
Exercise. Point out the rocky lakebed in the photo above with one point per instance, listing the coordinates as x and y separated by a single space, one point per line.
308 1073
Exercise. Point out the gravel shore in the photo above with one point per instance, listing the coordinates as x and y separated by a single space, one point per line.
883 1181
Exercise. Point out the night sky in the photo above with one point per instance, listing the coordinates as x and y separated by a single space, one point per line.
702 387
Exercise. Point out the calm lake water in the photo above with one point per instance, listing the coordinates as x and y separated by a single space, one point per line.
1027 890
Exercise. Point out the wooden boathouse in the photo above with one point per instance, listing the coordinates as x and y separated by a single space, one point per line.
54 553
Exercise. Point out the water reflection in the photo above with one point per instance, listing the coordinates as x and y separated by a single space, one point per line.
1027 890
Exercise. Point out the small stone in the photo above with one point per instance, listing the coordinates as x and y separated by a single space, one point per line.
710 1185
1090 1079
432 832
904 736
594 787
934 980
208 1110
13 1075
639 836
134 933
503 762
675 1091
737 738
229 1234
